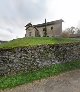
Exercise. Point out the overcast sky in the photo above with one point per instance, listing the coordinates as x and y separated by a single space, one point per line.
15 14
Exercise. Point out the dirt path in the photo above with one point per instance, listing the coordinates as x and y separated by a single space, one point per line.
67 82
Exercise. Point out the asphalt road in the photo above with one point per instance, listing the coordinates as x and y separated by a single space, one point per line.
66 82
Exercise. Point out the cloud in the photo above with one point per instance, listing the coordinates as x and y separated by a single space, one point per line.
68 10
14 11
31 10
6 34
14 14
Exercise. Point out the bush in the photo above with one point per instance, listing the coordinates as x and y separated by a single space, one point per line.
65 34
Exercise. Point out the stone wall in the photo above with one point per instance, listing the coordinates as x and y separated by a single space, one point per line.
26 59
30 32
56 31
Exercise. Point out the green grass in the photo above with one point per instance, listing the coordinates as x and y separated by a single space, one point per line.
21 42
19 79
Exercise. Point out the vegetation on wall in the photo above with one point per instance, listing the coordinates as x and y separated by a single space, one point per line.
19 79
22 78
21 42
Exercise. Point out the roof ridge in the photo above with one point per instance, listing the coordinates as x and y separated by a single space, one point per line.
49 23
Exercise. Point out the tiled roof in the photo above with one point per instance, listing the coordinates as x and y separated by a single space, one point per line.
29 24
49 23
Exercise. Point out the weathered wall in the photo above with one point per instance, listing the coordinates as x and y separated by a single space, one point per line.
27 59
30 31
56 31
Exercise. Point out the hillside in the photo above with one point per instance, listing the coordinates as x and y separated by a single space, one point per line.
21 42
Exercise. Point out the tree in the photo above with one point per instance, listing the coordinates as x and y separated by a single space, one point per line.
71 30
78 31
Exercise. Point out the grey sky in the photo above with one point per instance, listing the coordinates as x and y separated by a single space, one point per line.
19 11
15 14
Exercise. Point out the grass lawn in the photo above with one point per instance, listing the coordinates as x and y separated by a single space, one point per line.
19 79
21 42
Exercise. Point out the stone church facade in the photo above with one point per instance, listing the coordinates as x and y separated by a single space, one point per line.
47 29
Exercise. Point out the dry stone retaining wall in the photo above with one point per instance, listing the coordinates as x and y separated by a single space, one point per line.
26 59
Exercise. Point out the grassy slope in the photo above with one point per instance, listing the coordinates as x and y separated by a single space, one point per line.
21 42
12 81
19 79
